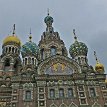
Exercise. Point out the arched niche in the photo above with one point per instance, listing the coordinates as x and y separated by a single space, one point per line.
58 65
96 105
73 105
53 105
63 105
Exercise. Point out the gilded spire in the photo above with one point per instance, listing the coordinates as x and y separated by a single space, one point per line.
98 67
30 36
75 37
96 57
13 29
48 11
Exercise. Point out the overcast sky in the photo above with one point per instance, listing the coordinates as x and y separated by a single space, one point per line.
88 17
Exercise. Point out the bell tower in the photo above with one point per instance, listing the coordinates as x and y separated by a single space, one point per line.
50 43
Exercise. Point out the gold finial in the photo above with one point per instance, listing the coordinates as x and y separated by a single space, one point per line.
48 11
30 36
13 29
96 57
75 37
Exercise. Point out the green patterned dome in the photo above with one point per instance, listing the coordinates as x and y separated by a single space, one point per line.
48 19
29 48
78 48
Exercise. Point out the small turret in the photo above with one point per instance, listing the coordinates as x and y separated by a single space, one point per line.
98 67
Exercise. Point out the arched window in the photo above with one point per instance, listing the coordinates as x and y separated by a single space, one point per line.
53 105
63 105
13 50
25 61
29 60
9 49
28 95
53 50
16 50
70 92
6 49
15 65
7 62
52 93
33 61
42 54
63 51
92 92
79 60
61 93
73 105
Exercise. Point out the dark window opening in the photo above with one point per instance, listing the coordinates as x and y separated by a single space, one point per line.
13 49
16 50
25 61
92 92
70 92
33 61
7 62
52 93
42 54
53 50
28 95
6 49
61 93
16 63
9 49
63 51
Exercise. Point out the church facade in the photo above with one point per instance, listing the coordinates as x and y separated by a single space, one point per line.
46 77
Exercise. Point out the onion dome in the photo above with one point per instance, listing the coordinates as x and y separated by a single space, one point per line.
12 39
48 19
98 67
29 48
77 48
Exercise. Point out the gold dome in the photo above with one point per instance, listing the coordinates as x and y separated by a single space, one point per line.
12 38
106 80
99 67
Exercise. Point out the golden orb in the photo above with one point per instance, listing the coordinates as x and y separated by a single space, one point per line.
99 67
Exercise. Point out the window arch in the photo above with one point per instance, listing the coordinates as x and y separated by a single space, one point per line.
53 105
63 51
33 61
63 105
16 64
9 49
96 105
13 50
73 105
28 95
42 54
6 49
61 93
16 50
53 50
52 93
25 61
70 92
